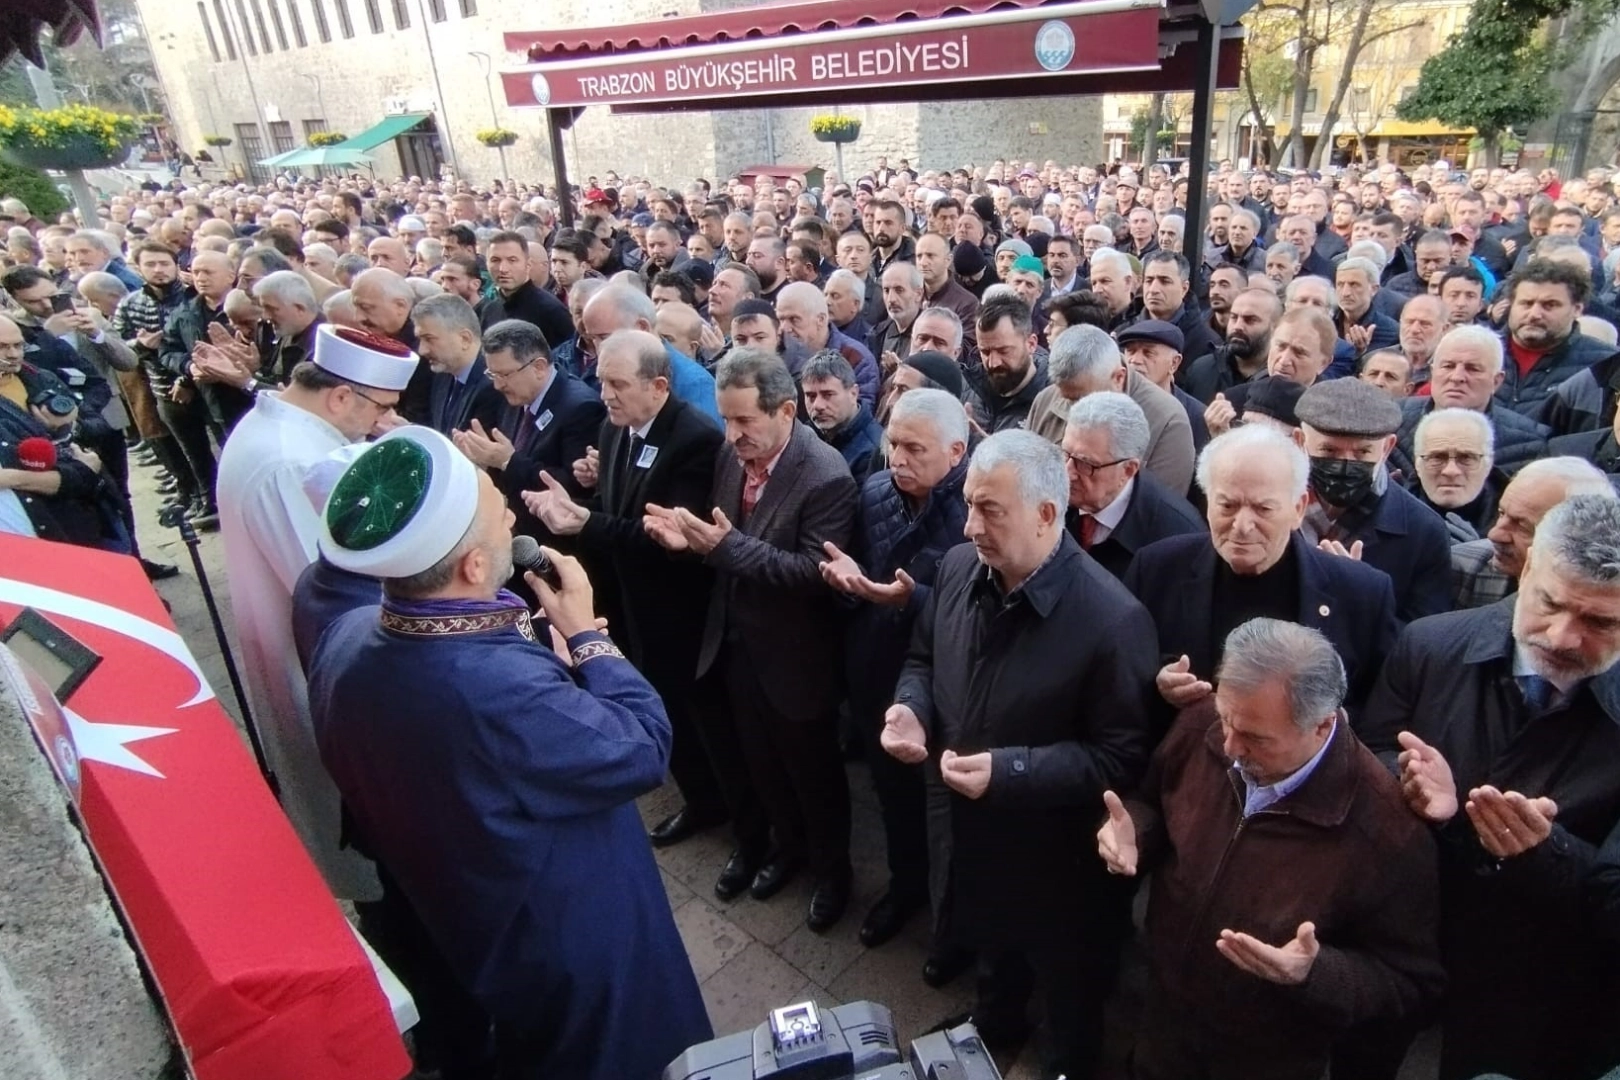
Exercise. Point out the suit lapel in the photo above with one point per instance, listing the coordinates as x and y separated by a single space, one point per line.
635 480
1315 603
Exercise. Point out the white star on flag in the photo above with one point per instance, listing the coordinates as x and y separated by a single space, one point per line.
107 743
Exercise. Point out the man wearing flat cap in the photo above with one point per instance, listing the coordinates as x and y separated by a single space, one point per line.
500 803
269 527
1156 350
1348 429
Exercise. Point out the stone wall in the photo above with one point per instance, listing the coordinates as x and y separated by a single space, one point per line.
353 83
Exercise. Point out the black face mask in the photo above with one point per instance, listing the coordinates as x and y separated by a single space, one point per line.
1341 483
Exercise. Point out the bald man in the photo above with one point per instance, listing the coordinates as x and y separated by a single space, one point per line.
383 301
212 276
390 253
623 307
680 327
802 310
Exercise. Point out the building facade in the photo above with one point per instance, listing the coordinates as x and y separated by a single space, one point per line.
267 73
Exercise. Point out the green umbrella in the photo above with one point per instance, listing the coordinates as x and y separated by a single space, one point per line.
320 155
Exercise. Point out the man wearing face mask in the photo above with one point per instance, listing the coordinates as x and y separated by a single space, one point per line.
1348 428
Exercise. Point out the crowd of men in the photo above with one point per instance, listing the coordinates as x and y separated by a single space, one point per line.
1289 581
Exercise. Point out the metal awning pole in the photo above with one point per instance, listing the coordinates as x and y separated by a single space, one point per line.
559 168
1209 52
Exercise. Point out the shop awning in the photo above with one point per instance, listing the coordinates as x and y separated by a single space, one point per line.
1423 129
875 51
377 134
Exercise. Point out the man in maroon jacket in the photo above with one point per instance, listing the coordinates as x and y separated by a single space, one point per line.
1292 897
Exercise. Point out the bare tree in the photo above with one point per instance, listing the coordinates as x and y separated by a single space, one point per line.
1371 21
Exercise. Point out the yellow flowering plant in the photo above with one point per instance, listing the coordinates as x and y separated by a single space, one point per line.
69 125
497 137
326 138
835 128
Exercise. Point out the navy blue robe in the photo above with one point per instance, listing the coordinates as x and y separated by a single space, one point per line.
496 786
323 594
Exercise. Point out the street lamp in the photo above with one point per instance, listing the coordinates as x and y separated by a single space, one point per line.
487 66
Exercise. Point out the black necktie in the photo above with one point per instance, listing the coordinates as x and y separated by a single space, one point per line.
636 443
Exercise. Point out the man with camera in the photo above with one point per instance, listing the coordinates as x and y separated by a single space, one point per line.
50 487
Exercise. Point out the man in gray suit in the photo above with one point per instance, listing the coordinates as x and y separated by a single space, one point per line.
773 644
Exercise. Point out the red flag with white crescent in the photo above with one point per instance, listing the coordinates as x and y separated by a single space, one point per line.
257 968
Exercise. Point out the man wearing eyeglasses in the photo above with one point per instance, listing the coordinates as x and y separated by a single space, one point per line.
1115 508
1454 471
550 422
269 525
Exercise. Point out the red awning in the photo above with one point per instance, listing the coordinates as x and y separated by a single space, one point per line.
743 24
845 51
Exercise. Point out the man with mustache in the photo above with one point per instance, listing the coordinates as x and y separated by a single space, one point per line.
1501 724
1249 322
1008 381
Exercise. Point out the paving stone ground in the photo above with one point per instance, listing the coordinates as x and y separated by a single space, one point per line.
749 957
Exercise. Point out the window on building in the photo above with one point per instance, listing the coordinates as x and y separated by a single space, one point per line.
264 31
469 8
297 23
225 29
247 31
436 10
1310 100
374 16
402 14
318 7
247 137
275 21
208 29
281 136
345 24
313 126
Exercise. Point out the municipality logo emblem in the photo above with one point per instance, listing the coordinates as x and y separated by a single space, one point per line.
1054 45
541 88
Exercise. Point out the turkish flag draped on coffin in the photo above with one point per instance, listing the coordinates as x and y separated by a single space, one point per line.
257 968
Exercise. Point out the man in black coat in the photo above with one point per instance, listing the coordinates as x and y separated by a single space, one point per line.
1027 692
1467 369
1252 562
1349 429
448 337
550 421
771 650
653 448
911 514
1504 725
517 297
1116 508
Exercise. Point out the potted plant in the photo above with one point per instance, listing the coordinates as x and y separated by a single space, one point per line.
318 139
151 119
71 137
835 129
497 137
218 140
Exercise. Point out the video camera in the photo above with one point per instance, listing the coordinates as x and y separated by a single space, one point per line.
802 1042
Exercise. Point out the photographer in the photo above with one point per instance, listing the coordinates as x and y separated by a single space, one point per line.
47 477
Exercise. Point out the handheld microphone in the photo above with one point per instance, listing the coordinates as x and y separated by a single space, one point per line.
526 555
36 454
